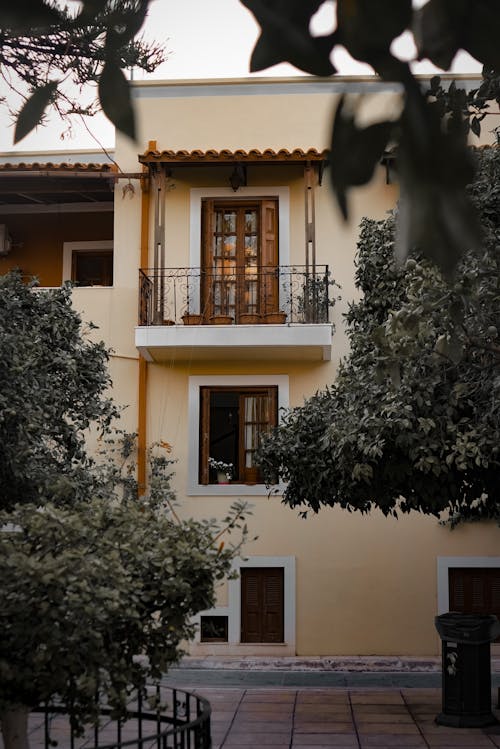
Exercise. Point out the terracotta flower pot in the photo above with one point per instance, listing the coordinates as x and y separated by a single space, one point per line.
249 318
275 318
191 318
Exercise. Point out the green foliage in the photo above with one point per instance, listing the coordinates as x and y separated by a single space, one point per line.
43 46
436 217
54 383
413 419
98 598
98 587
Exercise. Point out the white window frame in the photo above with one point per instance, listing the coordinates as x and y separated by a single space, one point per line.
194 488
444 564
89 246
233 608
197 194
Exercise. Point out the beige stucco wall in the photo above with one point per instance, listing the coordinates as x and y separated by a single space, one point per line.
364 584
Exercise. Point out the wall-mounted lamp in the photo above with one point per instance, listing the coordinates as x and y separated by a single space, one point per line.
238 177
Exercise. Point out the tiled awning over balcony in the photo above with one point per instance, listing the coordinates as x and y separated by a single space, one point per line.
225 156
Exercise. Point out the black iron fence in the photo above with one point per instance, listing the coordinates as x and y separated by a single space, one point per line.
250 295
161 717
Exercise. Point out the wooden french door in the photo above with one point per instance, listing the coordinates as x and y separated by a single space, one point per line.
262 604
240 258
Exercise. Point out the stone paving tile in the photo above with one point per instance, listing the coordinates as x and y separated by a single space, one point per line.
257 695
376 698
332 707
376 728
435 730
270 727
330 697
239 743
264 704
333 742
417 694
258 738
323 739
382 717
458 739
326 717
346 727
389 741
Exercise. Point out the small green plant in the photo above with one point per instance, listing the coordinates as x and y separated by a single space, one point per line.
314 302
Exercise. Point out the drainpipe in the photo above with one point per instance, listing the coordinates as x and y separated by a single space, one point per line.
143 365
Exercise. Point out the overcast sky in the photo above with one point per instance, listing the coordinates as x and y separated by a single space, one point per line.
205 39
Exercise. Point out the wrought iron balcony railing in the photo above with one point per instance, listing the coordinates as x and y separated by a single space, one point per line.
249 295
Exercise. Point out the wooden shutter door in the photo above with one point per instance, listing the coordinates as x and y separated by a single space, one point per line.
269 287
207 240
204 435
262 604
475 590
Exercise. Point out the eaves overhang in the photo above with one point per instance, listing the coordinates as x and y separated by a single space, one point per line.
291 342
198 157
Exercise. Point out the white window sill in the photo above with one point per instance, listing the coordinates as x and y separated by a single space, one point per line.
234 490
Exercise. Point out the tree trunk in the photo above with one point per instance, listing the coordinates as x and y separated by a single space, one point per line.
15 727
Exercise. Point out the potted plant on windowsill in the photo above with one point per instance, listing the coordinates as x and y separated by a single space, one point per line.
223 470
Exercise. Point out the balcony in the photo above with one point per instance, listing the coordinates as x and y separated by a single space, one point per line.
251 313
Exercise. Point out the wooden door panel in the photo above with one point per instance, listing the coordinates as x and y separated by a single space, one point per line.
475 590
262 604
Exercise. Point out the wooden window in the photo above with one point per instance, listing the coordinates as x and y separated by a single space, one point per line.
239 257
475 590
231 424
213 629
262 604
92 268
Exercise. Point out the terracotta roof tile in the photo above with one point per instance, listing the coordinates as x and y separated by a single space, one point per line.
198 156
49 166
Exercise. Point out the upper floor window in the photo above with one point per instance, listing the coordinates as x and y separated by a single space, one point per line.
232 421
88 263
239 257
92 268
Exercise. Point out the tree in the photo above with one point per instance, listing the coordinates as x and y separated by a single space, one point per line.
97 599
97 587
44 46
413 419
54 383
433 161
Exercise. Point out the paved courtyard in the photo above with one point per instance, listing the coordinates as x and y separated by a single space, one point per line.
311 717
316 718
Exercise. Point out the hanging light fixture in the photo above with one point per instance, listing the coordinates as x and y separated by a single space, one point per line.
238 177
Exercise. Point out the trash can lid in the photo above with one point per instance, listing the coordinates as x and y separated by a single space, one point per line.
467 628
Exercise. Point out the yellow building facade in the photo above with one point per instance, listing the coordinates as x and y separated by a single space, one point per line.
222 210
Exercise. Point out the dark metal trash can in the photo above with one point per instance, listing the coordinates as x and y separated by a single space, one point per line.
466 669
